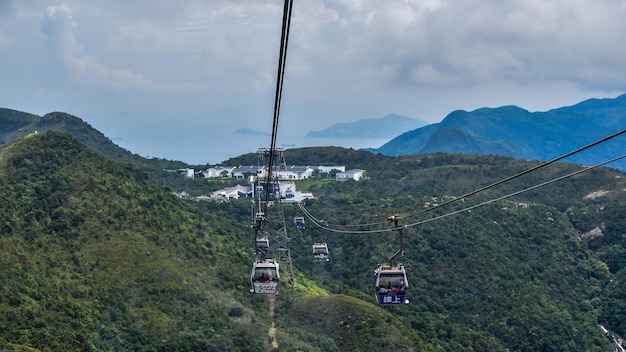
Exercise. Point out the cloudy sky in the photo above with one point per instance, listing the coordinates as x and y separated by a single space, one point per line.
174 79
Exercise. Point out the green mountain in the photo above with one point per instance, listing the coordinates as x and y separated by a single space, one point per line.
518 274
515 132
16 124
95 255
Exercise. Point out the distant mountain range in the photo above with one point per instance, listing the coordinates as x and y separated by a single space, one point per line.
379 128
507 131
515 132
374 128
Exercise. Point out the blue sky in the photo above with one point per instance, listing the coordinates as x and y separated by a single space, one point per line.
175 79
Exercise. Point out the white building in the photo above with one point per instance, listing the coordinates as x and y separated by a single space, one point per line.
294 173
243 171
354 174
218 171
327 169
289 193
234 192
189 173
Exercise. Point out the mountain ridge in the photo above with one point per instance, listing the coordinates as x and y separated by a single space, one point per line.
95 255
507 130
516 132
98 256
16 124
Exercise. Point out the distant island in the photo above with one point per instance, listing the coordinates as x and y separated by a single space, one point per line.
389 126
248 132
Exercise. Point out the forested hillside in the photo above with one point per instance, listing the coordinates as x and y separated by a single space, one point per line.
16 124
519 264
95 255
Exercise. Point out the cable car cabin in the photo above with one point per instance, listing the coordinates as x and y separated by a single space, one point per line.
298 222
320 252
265 276
260 192
391 284
257 222
262 245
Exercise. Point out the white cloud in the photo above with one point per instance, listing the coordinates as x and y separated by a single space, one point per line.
6 13
347 59
6 8
430 75
58 23
6 41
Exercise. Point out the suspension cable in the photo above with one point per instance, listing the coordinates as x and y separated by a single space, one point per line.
280 76
602 140
321 224
518 192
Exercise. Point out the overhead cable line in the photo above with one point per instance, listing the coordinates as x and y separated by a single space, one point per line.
602 140
265 271
322 225
518 192
280 76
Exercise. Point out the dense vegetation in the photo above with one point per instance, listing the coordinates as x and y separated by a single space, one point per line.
515 265
15 124
96 255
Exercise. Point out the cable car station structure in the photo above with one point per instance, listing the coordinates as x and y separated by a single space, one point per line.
271 240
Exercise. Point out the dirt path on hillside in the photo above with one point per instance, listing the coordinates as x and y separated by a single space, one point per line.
4 150
272 331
